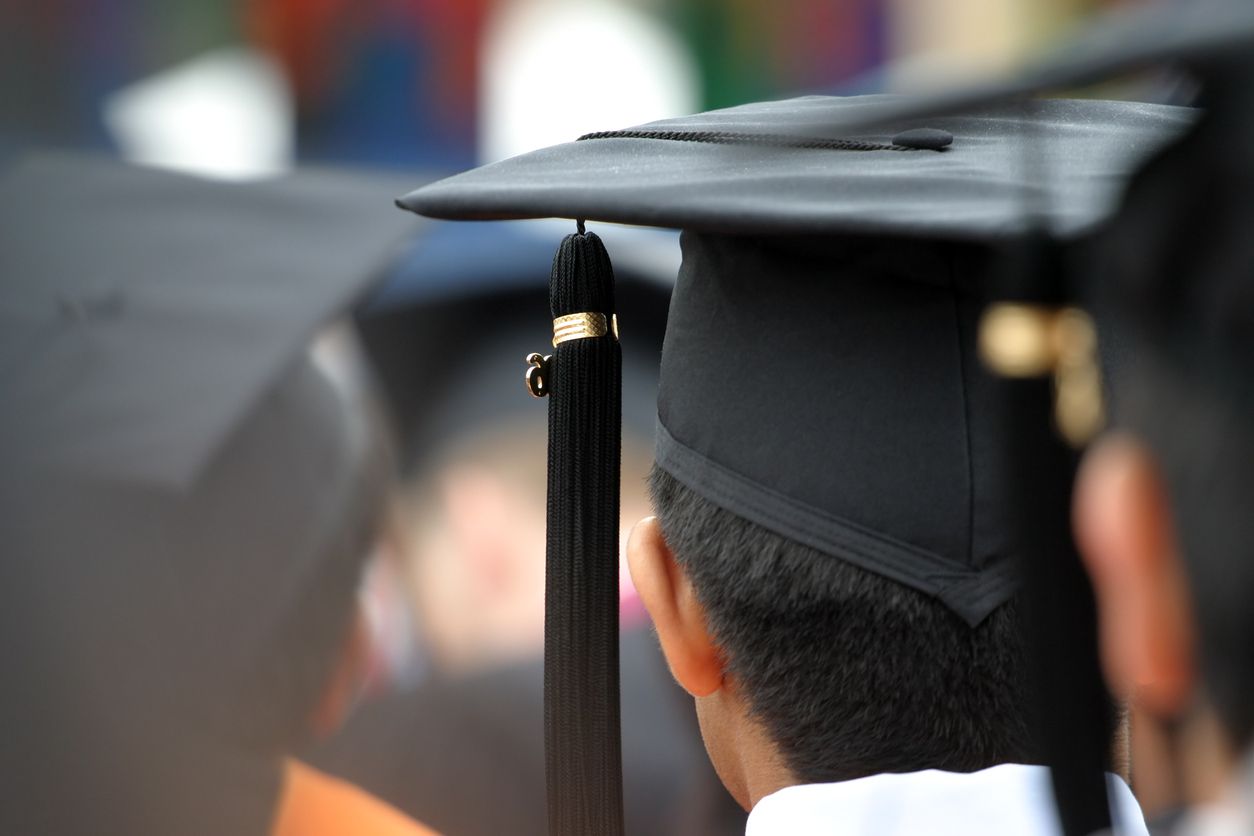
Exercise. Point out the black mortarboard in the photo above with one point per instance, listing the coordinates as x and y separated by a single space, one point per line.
121 285
178 479
819 374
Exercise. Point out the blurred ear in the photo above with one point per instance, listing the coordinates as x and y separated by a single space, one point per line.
1124 531
347 678
677 615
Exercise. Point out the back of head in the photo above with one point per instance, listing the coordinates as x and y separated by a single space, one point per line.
850 673
838 502
184 496
1177 269
169 645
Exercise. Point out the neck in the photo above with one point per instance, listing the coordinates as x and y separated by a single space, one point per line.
748 762
1208 765
765 777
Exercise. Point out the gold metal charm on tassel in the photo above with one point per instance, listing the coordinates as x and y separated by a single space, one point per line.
538 374
578 326
1018 340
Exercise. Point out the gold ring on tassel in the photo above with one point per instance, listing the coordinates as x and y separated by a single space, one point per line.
578 326
1019 340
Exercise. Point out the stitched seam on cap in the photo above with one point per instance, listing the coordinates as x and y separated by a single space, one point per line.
988 588
825 532
966 412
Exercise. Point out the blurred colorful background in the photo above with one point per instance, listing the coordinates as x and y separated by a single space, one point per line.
248 87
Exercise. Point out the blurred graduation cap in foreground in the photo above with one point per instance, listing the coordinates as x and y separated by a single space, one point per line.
183 491
819 375
1167 276
144 314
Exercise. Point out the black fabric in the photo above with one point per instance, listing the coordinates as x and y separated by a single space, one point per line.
142 313
583 757
472 763
829 390
1074 712
138 624
974 190
745 138
1172 268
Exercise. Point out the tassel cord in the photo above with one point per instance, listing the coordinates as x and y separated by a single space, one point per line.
582 730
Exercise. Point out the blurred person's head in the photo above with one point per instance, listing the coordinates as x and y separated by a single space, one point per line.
1163 519
472 499
188 498
1164 523
199 637
474 540
1162 510
321 646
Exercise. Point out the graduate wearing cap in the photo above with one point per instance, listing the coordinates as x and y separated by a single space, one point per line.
188 500
1160 502
1163 502
1161 508
833 566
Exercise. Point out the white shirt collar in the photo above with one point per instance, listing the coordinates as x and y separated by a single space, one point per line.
1010 798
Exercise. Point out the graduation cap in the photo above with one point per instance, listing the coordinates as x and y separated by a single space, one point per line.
819 375
178 478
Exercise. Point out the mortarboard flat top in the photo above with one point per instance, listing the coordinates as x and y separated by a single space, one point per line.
980 187
143 313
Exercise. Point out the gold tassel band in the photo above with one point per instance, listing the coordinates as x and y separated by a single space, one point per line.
1018 340
577 326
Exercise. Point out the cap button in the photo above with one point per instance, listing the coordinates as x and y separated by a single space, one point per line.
924 139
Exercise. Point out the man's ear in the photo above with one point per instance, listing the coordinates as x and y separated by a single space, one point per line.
1124 531
347 678
677 614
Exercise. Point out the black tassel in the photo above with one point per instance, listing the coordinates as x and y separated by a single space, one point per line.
583 761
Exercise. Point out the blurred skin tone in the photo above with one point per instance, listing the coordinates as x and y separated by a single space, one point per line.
347 679
1124 528
747 762
474 571
474 545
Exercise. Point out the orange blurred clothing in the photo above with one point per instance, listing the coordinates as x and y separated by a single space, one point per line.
315 804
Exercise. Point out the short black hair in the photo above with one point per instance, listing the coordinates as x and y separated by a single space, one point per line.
1203 440
850 673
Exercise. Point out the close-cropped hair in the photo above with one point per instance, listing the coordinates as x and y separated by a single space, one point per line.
851 674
